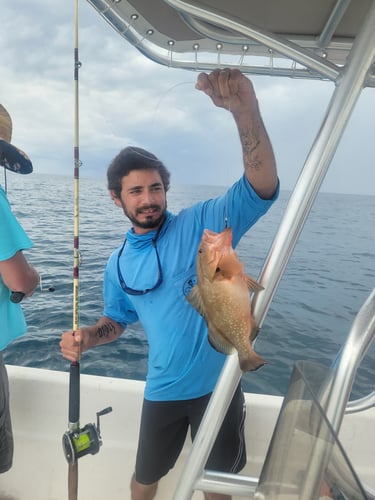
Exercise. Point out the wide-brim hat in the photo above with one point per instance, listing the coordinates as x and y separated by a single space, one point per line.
12 158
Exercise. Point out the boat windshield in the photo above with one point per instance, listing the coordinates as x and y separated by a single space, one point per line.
305 458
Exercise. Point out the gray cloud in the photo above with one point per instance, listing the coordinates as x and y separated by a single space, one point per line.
127 99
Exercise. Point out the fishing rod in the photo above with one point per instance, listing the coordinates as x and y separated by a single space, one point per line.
17 297
77 441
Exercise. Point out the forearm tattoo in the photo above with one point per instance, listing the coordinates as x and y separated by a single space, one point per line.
106 330
250 141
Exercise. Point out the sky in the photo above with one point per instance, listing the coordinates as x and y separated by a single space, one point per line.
126 99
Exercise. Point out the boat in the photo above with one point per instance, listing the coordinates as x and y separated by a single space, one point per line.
312 442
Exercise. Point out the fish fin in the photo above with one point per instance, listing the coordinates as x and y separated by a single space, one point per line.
219 342
195 299
215 338
254 333
253 285
251 362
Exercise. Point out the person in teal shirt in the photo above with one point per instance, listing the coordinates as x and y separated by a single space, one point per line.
149 277
18 279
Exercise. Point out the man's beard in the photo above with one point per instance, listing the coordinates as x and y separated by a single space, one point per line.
150 222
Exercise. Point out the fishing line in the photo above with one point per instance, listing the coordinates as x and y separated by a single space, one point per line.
167 92
17 297
5 181
226 215
153 111
227 106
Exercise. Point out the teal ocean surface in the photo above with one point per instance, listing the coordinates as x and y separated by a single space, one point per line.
330 275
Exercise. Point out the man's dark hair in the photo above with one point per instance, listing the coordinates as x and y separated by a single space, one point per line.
133 158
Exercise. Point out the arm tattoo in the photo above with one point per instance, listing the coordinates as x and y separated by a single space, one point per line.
106 330
250 142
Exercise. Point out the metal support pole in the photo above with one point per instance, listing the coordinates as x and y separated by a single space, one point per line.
317 163
336 392
299 206
360 337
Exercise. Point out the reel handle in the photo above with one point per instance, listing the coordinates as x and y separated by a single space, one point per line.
80 442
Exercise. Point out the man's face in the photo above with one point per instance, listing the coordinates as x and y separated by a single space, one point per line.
143 199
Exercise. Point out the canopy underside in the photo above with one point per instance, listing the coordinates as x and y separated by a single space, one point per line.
294 38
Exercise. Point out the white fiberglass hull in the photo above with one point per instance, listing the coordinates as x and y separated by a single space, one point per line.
39 401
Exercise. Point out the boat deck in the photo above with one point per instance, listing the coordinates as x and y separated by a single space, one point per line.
39 407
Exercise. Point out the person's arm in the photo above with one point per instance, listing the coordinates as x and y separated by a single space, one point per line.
73 344
18 275
230 89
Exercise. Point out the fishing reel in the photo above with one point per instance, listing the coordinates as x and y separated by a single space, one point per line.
80 442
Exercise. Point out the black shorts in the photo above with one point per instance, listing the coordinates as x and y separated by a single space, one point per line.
6 435
164 425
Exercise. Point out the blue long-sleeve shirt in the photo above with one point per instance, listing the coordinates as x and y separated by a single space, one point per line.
12 239
181 364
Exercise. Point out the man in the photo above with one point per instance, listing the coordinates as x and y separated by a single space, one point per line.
149 277
17 279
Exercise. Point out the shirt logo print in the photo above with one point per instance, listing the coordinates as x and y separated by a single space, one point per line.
189 284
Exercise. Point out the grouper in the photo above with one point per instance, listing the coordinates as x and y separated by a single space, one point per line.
222 297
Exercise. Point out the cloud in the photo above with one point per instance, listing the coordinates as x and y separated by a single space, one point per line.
125 98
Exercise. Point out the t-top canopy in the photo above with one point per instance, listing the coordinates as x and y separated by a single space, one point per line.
295 38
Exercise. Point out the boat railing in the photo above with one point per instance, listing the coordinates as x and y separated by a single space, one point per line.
305 459
348 88
361 404
303 423
335 391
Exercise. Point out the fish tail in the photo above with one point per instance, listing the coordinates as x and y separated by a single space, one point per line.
251 362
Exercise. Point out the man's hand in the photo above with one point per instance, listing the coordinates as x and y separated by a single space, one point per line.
229 89
71 345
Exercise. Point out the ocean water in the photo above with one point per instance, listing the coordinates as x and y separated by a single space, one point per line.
330 275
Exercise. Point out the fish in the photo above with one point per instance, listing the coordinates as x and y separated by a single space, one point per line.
222 297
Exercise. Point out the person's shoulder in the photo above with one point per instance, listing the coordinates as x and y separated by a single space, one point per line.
114 254
175 221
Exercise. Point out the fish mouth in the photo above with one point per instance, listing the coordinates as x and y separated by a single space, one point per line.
218 239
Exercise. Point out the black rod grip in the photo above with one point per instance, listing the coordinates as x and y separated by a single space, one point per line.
74 394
